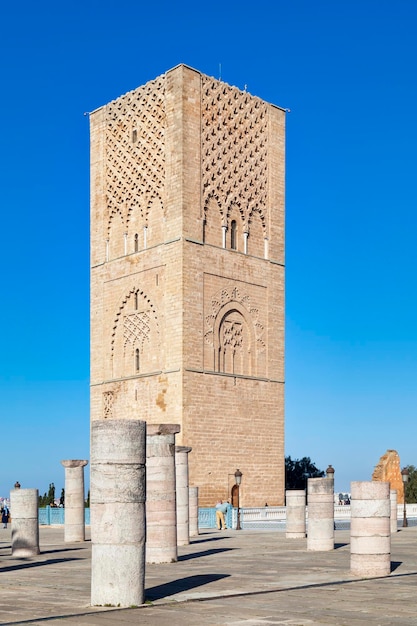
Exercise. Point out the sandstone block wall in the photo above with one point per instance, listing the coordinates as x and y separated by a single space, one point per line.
187 278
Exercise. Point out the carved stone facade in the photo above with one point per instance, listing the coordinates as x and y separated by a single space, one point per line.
187 279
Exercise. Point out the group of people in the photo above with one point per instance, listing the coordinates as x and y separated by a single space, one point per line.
222 507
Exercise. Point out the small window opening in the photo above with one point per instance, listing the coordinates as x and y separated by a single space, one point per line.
134 135
137 359
136 301
233 235
136 242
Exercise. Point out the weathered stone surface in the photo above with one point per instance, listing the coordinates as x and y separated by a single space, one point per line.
25 522
161 510
320 501
74 499
187 275
182 489
388 470
193 511
295 500
118 521
370 535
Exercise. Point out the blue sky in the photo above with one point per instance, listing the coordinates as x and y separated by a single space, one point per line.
347 73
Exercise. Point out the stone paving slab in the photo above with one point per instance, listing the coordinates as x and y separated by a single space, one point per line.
246 578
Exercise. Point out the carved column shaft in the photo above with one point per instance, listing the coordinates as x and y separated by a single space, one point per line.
161 514
118 488
74 500
320 535
181 472
24 505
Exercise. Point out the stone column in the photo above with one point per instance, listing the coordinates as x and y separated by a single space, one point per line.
118 460
24 505
74 500
320 534
181 474
370 533
193 510
394 510
161 511
295 514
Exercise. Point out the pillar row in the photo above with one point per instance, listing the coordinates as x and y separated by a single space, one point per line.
320 535
161 511
394 510
295 513
74 500
370 532
181 475
24 505
118 460
193 511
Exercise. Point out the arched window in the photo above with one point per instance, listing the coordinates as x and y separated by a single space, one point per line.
233 234
137 360
136 301
136 242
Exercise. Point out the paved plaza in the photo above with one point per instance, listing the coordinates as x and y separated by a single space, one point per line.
246 578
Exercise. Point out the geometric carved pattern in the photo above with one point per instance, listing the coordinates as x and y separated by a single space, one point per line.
232 334
228 297
136 328
135 151
108 399
234 151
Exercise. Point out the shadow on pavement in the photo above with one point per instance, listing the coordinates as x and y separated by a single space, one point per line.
215 538
197 555
182 584
28 564
395 564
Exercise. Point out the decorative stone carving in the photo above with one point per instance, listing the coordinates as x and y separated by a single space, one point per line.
135 150
234 332
108 399
388 469
234 152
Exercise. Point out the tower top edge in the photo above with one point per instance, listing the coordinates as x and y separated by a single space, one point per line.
181 66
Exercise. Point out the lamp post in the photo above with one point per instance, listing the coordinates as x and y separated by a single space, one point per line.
238 480
404 476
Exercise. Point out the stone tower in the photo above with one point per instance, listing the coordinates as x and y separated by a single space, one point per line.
187 275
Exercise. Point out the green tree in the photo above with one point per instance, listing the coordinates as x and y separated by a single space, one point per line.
411 485
47 498
51 493
297 472
87 501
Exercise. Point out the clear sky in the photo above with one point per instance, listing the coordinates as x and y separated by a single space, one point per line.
347 72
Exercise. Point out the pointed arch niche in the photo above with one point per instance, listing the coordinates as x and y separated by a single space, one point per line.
234 341
234 336
135 345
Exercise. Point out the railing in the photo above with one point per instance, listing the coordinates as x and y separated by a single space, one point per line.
274 517
269 517
52 516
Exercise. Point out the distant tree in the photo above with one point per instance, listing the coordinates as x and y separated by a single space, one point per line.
51 494
87 501
43 500
48 498
411 485
62 498
297 472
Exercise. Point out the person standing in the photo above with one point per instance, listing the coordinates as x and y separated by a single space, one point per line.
5 515
221 511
